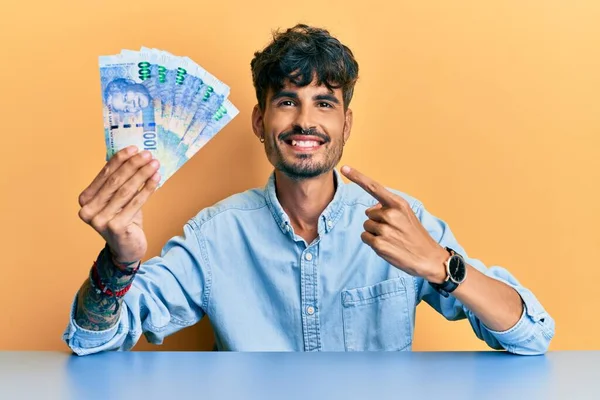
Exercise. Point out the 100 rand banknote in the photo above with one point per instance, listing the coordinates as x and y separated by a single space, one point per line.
218 121
190 95
132 81
128 107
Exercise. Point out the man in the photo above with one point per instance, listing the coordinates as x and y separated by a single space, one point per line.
124 96
308 262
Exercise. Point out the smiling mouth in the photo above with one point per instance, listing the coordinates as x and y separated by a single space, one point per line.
304 143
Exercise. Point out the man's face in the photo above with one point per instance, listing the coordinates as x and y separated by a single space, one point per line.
128 101
305 129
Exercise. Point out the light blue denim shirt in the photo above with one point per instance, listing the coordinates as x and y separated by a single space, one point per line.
264 288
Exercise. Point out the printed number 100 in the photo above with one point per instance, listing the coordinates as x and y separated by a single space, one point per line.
149 140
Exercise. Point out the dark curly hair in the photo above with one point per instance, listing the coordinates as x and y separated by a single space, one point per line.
300 54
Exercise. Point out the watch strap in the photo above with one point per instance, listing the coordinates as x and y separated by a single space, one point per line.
445 288
448 286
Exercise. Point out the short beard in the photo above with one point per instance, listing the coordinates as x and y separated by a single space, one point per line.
303 170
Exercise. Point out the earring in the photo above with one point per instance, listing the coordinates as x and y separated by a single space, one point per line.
262 139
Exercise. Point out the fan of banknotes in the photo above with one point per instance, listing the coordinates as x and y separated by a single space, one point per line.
162 103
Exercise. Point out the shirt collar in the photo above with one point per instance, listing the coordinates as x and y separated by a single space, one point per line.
328 217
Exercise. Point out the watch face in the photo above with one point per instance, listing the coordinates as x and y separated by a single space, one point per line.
457 269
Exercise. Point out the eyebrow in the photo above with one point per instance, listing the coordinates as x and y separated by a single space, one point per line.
328 97
284 93
294 95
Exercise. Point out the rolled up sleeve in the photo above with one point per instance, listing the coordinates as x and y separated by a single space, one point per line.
169 293
83 341
533 332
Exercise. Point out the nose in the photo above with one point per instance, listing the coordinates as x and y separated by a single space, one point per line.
302 122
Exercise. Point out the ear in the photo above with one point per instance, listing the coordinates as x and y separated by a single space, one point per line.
347 125
257 122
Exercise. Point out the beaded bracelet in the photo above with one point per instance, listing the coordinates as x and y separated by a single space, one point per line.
123 267
100 287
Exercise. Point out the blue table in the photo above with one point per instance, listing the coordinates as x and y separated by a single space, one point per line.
212 375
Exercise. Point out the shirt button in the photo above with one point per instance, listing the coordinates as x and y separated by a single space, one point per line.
310 310
308 256
329 224
287 228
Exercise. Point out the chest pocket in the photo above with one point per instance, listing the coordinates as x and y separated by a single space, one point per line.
376 317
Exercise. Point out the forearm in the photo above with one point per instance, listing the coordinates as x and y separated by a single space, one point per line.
497 305
97 310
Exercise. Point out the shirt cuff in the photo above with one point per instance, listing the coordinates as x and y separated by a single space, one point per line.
84 341
526 328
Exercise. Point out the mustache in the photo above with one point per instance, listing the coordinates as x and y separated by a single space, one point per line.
306 132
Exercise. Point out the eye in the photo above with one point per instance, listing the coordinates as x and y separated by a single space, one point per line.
286 103
325 105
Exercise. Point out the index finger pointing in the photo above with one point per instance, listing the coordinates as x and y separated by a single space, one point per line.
374 188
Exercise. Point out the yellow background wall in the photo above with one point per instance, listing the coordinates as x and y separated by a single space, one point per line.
487 111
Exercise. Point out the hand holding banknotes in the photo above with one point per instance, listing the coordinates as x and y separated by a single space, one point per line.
162 103
159 110
112 203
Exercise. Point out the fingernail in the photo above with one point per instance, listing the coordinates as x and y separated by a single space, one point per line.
156 177
132 149
146 154
154 163
345 169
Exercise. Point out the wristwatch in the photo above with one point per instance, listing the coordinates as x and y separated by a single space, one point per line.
456 273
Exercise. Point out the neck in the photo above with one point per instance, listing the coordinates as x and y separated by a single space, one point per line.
304 201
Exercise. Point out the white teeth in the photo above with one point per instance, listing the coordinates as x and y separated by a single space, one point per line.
305 143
